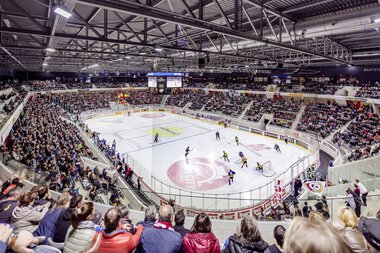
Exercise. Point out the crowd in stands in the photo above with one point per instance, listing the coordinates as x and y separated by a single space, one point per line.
362 135
368 91
314 88
44 85
70 224
228 104
323 119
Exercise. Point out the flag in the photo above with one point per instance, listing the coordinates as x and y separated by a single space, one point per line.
316 187
279 190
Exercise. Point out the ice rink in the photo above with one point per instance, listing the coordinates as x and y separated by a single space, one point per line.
204 170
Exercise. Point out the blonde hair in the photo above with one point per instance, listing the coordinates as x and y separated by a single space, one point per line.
347 217
305 236
316 217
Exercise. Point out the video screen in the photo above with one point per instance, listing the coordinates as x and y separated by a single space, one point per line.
152 82
173 82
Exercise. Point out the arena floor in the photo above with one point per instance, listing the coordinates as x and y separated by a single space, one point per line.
204 171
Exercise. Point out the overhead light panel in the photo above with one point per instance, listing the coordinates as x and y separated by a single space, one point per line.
377 20
62 12
158 49
44 64
50 49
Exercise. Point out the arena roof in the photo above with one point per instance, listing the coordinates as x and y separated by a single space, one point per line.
174 34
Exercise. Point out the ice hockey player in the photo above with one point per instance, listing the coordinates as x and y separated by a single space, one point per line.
277 148
286 139
241 155
259 167
217 135
237 140
187 151
231 175
244 161
225 156
156 138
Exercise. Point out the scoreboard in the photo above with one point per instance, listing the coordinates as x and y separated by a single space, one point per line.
164 81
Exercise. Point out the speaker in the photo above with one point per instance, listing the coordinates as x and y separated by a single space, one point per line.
201 63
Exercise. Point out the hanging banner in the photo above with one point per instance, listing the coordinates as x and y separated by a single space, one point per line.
316 187
279 190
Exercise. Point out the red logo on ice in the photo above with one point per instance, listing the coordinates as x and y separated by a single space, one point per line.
198 174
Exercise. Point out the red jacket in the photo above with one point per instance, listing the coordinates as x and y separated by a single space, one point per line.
200 243
119 241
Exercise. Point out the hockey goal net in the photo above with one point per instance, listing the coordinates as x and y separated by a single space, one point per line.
268 170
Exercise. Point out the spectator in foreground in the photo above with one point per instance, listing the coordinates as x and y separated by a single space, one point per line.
125 222
246 239
43 196
25 217
9 204
378 215
152 238
305 236
279 236
48 224
81 233
64 219
115 240
179 220
150 217
371 232
200 238
19 243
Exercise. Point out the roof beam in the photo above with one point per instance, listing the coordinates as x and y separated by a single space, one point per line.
268 9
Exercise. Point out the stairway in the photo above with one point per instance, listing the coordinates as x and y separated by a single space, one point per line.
187 106
330 137
163 102
298 117
245 110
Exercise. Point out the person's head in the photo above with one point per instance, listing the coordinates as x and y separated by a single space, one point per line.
378 215
82 213
304 236
179 218
348 217
305 203
316 217
14 193
356 181
150 213
247 229
43 192
166 213
76 201
111 219
202 224
279 235
349 190
63 201
26 199
371 232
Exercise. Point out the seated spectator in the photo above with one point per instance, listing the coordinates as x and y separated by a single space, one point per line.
43 197
25 217
200 238
81 233
247 238
179 220
64 219
48 224
125 223
150 217
114 240
152 238
305 236
19 243
9 204
279 236
371 231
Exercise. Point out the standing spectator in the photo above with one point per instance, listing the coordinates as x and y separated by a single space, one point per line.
363 191
200 238
150 217
305 210
82 230
48 224
246 239
279 236
152 238
114 240
297 186
9 204
354 201
179 220
26 217
64 219
357 190
371 231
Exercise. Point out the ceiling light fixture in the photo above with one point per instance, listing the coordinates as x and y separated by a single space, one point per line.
50 49
62 12
44 64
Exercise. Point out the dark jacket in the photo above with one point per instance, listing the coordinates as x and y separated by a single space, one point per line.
200 243
158 240
63 224
180 229
274 249
48 224
40 202
6 209
234 244
147 223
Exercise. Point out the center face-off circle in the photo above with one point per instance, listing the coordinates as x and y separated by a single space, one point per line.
152 115
198 174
